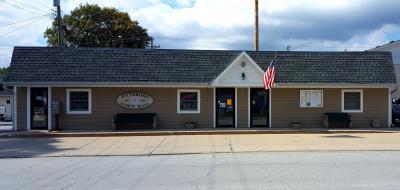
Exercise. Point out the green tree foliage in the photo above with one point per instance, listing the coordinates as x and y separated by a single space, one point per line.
92 26
3 73
4 70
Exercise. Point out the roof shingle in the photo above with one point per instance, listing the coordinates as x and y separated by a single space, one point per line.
112 65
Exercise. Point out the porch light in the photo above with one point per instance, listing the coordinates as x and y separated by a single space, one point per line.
243 76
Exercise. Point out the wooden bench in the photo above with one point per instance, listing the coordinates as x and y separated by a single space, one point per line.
337 120
132 121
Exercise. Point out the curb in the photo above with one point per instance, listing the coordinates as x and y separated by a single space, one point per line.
170 133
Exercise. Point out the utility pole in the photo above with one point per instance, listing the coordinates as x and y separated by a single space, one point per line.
256 46
56 3
152 46
288 48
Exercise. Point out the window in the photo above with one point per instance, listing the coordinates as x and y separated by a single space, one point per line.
352 100
188 101
79 101
311 98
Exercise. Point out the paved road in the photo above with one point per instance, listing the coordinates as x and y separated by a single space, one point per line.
295 170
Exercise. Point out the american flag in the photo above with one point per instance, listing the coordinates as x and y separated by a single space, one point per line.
269 76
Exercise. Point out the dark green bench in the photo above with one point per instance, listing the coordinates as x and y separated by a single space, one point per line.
133 121
337 120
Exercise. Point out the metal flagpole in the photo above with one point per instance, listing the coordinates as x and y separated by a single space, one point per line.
256 45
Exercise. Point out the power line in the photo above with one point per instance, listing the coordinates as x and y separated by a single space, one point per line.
31 7
44 4
2 35
22 8
21 21
57 4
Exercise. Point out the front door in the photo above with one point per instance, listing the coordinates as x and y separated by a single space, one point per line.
225 108
259 107
39 108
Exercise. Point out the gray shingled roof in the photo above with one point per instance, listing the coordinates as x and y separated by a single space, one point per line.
136 66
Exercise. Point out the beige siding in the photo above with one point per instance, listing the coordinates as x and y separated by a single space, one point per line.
242 107
21 108
286 107
104 107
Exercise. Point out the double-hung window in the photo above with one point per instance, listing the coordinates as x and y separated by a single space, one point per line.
79 101
352 101
188 101
311 98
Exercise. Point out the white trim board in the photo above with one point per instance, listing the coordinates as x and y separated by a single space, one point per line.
305 96
249 107
270 108
361 101
250 66
236 110
49 110
89 111
161 85
310 86
116 85
28 108
214 108
178 101
14 116
389 108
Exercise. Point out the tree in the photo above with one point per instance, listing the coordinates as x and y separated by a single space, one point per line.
3 75
4 72
92 26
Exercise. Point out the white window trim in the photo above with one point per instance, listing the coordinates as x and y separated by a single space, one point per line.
178 101
322 99
90 101
361 101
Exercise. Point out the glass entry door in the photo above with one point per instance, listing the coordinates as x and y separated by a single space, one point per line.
39 108
225 108
259 107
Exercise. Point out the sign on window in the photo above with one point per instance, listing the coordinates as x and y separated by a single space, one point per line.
311 98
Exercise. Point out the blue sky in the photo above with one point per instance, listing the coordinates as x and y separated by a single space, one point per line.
307 25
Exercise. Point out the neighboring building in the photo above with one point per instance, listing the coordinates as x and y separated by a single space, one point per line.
394 48
6 100
212 88
396 90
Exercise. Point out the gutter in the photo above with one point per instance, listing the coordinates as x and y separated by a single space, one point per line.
111 84
205 85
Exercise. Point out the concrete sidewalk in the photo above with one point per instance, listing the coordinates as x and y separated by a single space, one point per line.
169 132
196 144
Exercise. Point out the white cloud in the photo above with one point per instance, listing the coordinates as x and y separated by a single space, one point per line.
356 43
227 24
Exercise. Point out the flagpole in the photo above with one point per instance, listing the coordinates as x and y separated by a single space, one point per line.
256 33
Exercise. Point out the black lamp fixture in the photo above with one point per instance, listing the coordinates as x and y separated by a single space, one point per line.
243 76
